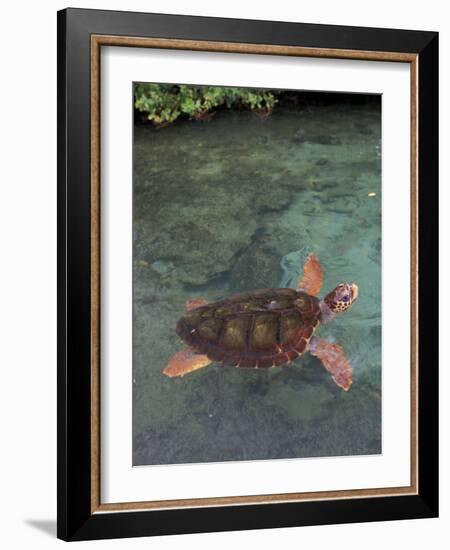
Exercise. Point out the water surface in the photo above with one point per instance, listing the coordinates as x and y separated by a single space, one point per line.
236 203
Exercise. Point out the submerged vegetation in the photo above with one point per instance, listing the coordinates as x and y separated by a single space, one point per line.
162 104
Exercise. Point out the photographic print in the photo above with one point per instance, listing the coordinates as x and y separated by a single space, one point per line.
240 291
256 274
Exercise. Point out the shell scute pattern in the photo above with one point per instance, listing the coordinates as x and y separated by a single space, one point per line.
259 329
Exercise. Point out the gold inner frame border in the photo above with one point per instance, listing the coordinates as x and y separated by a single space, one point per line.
97 41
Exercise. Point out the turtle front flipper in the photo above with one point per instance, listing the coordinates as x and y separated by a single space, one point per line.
333 359
194 303
185 361
312 279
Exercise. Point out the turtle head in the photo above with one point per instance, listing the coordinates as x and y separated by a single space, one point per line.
341 298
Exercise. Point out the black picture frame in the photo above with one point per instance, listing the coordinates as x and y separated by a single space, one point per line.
76 520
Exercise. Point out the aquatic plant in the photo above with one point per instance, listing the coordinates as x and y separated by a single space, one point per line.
164 103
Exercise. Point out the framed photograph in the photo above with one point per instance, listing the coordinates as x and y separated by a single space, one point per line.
247 252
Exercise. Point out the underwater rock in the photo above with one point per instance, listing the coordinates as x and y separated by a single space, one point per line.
257 267
322 161
378 248
363 128
325 140
375 254
270 194
162 267
305 402
198 240
301 136
325 184
262 140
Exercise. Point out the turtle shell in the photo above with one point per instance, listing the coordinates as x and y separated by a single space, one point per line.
263 328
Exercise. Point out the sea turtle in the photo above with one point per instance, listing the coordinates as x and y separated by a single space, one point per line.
265 328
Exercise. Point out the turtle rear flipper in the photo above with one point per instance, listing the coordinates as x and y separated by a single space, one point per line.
333 359
312 279
185 361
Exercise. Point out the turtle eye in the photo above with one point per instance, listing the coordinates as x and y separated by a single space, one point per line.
346 298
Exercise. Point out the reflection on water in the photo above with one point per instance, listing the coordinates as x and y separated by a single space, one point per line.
236 204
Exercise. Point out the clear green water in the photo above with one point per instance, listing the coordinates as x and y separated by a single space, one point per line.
234 204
